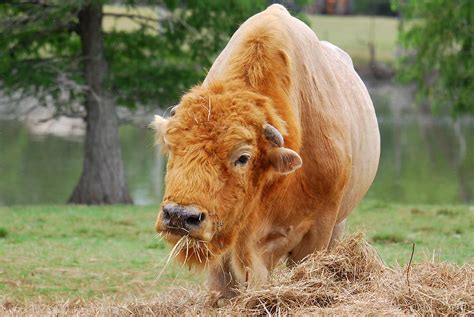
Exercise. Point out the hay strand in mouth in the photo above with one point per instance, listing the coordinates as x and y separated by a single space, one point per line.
159 237
199 249
173 254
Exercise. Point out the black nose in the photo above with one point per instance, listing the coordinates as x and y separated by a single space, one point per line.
182 219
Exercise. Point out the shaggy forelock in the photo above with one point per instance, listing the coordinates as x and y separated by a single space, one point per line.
211 119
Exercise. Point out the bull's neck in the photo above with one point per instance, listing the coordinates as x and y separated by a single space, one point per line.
281 102
281 188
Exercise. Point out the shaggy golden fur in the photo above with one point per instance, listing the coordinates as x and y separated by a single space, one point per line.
287 201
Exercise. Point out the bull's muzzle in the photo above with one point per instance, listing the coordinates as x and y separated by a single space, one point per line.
182 220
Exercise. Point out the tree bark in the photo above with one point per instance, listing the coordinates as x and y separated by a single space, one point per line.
103 179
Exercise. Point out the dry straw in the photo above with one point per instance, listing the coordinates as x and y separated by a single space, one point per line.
348 280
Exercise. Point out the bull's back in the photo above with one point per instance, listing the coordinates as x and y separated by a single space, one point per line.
364 132
329 102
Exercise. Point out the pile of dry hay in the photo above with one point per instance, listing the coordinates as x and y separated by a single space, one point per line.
348 280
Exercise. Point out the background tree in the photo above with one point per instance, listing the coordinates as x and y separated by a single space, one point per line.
60 50
439 53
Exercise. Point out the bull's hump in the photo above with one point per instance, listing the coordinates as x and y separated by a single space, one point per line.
277 8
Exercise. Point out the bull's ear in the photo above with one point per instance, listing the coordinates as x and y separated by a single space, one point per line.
284 160
159 126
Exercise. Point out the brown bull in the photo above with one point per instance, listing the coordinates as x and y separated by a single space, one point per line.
269 155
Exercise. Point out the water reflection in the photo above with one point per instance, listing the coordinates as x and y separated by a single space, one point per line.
424 159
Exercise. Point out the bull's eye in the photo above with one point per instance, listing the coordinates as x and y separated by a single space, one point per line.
242 160
173 111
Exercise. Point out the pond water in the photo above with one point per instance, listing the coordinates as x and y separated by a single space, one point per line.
424 159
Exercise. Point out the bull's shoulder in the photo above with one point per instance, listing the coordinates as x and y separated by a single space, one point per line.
258 51
338 52
259 47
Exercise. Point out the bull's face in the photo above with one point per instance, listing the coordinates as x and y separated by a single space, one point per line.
224 146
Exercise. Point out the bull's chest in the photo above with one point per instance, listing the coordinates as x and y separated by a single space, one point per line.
276 240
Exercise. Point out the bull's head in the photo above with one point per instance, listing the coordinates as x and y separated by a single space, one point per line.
224 146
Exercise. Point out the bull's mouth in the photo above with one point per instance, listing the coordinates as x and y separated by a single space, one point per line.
178 233
189 249
189 229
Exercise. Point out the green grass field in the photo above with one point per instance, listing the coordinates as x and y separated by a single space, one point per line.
54 253
351 33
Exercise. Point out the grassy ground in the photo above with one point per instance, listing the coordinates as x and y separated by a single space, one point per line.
351 33
69 252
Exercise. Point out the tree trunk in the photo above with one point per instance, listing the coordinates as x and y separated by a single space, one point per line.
103 179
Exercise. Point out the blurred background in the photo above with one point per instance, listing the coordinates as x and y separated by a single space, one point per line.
68 64
81 80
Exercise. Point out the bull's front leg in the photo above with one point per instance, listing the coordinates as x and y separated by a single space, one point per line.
318 237
247 261
232 272
221 281
243 265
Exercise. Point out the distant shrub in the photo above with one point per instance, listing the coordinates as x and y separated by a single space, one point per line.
375 7
388 238
3 233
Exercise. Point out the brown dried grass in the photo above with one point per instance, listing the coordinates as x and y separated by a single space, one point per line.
348 280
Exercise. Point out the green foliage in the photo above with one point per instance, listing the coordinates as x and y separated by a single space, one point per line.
169 50
36 43
440 51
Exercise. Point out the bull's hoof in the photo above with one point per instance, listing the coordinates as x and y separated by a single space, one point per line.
218 299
